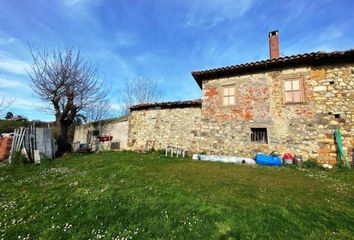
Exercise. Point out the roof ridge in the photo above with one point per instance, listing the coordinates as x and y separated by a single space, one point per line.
274 60
268 63
167 104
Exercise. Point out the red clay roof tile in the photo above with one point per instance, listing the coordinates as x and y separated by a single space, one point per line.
176 104
313 58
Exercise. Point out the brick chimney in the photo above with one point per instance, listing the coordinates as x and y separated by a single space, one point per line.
274 44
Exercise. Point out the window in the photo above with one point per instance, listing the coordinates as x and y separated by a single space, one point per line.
259 135
293 90
228 95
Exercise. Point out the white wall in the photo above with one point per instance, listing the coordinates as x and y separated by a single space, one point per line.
117 128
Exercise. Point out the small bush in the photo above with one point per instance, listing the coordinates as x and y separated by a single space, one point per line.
18 158
9 126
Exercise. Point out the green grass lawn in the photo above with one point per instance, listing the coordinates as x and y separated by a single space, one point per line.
147 196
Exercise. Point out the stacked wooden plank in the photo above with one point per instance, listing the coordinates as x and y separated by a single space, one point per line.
32 142
19 137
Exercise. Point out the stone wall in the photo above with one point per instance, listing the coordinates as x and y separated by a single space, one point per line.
118 128
169 126
299 128
304 128
333 93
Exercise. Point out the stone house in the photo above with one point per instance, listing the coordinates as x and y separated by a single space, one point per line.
284 104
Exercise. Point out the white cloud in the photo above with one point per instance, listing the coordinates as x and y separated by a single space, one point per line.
146 58
7 83
13 65
117 106
22 103
124 39
78 2
208 13
321 39
25 103
83 10
6 40
31 108
330 34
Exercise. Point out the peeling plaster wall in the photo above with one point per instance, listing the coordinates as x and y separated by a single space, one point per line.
300 128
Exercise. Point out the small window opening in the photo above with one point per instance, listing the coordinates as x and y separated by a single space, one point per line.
259 135
331 82
337 115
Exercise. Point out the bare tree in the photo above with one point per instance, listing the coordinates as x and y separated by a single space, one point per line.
5 103
97 111
68 84
139 90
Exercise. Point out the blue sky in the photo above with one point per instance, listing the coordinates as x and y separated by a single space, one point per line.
162 39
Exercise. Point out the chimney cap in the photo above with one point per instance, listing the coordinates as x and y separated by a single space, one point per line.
273 33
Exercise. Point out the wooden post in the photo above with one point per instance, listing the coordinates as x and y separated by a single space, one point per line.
51 141
12 145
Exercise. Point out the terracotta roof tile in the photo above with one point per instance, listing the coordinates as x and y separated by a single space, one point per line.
312 58
176 104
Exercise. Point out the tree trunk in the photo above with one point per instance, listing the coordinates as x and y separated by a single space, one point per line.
62 138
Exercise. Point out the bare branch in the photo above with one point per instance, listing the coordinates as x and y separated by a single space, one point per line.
140 90
97 111
5 103
71 85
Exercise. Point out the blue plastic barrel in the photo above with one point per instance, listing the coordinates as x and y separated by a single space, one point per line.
269 160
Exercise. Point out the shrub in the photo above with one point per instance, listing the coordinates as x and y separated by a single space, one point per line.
18 158
9 126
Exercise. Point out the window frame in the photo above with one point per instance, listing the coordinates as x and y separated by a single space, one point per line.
228 86
301 90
